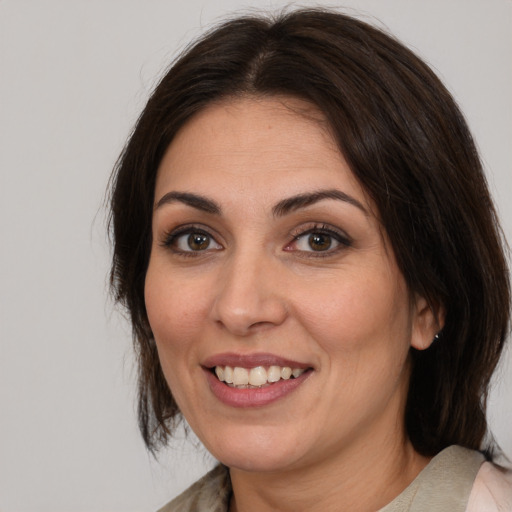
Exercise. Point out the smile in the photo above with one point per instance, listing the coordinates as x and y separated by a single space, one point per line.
254 380
248 378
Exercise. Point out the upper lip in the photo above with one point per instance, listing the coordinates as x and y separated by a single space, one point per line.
251 361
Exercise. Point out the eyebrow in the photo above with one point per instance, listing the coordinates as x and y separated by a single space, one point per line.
193 200
282 208
302 200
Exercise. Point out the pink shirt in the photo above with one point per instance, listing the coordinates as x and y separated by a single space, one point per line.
492 490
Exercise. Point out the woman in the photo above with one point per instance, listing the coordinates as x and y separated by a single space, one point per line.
306 245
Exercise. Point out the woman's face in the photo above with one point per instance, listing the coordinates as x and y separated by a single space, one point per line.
267 256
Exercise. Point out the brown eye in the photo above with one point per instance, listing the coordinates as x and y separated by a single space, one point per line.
192 241
198 241
319 241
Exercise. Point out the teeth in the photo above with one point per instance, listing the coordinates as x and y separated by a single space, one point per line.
274 373
240 376
258 376
255 377
286 373
228 374
219 371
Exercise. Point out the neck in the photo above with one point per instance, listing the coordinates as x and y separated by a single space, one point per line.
363 478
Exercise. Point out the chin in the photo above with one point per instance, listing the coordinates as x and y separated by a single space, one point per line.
257 451
256 462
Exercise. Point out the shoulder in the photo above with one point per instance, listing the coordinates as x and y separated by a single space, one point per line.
492 490
209 494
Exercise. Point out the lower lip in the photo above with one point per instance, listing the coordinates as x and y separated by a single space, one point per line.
254 397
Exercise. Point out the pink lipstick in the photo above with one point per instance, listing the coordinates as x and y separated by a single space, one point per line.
253 380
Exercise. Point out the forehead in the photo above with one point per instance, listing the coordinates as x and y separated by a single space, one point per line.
273 145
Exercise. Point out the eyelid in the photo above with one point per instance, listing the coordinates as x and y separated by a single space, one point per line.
170 236
343 239
340 236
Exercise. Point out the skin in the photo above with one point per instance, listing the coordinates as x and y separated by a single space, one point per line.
337 442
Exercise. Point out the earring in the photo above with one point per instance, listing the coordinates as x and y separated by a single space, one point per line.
437 337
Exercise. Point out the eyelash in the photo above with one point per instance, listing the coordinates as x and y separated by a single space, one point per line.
339 236
170 238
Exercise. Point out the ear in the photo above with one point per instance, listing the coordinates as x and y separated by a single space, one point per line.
428 320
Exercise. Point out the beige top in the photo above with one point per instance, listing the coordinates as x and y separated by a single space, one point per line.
455 480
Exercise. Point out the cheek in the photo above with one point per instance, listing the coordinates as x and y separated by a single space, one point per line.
175 309
173 303
363 330
369 313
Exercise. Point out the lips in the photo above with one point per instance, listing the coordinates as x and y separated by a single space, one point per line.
255 379
251 361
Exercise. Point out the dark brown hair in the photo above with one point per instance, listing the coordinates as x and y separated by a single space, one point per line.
407 143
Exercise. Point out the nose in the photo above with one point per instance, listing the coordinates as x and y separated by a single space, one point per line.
250 296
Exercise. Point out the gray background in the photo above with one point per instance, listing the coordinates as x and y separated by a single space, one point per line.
73 77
